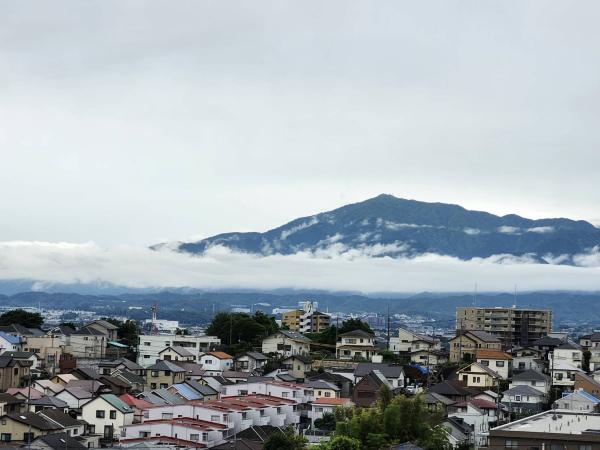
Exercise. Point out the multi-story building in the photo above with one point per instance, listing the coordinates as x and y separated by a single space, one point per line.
306 319
511 325
150 346
356 344
466 344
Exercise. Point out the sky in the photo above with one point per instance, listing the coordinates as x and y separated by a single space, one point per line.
127 123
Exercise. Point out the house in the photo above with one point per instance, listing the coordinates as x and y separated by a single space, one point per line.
478 375
74 397
192 370
150 345
9 342
429 358
10 404
459 432
57 441
23 393
107 415
13 372
69 425
464 346
356 344
480 415
87 342
25 356
324 389
137 404
48 348
297 365
117 385
533 379
214 363
568 353
177 353
578 400
366 391
455 390
587 383
585 341
250 362
206 392
523 399
136 382
563 374
497 360
121 364
25 427
47 402
324 405
106 328
63 378
408 342
547 344
163 374
526 358
393 373
286 343
437 402
47 387
343 383
93 386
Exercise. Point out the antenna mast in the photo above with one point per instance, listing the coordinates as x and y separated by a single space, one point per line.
154 328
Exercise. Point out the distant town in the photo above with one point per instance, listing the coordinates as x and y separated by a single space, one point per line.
297 377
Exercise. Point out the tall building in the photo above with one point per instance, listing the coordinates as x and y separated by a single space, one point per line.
511 325
307 319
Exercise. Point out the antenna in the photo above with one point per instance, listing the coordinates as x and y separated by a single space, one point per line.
515 298
154 310
475 295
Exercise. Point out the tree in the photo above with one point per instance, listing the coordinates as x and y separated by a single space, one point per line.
68 324
354 324
586 360
21 317
361 425
182 332
129 333
240 332
327 422
343 443
287 440
385 397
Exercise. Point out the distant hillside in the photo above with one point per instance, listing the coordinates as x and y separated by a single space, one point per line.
390 226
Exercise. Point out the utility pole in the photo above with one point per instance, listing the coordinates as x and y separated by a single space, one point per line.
388 327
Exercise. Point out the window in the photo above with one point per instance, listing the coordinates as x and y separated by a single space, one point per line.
146 356
164 385
205 436
167 416
16 371
144 434
499 363
28 437
327 394
285 394
214 418
100 414
152 385
509 443
147 344
194 437
485 362
585 447
113 414
167 373
5 437
517 398
154 373
244 415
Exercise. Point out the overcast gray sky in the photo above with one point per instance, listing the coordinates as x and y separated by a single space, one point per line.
133 122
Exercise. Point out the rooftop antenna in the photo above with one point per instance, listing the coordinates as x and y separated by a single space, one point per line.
515 298
475 295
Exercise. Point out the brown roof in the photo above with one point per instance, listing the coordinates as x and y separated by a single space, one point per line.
220 355
492 354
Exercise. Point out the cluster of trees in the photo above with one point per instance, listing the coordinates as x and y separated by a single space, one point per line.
392 421
128 331
240 332
21 317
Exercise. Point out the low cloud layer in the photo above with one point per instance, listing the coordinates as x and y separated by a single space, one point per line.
355 270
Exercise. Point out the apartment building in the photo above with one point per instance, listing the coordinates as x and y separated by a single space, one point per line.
511 325
306 319
151 345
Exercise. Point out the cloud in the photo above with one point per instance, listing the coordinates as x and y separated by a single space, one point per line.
472 231
509 230
541 230
286 233
332 268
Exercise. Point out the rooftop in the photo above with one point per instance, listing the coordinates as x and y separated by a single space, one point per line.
556 421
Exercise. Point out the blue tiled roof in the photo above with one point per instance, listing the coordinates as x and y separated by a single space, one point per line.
15 340
583 394
187 392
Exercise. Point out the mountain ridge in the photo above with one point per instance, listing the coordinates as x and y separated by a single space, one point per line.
395 227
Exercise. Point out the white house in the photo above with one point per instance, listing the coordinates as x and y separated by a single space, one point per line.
8 342
394 374
532 379
479 414
151 345
250 362
497 360
214 363
185 429
87 343
408 342
578 400
323 405
523 399
526 358
107 415
567 353
75 397
563 374
286 343
356 344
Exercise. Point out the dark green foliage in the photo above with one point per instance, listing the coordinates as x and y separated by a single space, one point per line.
343 443
585 365
68 324
182 332
354 324
21 317
241 332
327 422
287 440
127 331
384 397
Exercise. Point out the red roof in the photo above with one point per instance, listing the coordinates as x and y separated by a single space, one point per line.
135 402
479 403
191 444
331 401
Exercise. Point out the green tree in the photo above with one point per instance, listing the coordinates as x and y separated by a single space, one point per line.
585 365
343 443
129 332
384 397
362 424
240 332
182 332
21 317
435 439
68 324
354 324
327 422
287 440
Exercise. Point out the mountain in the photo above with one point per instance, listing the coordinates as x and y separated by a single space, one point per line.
396 227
